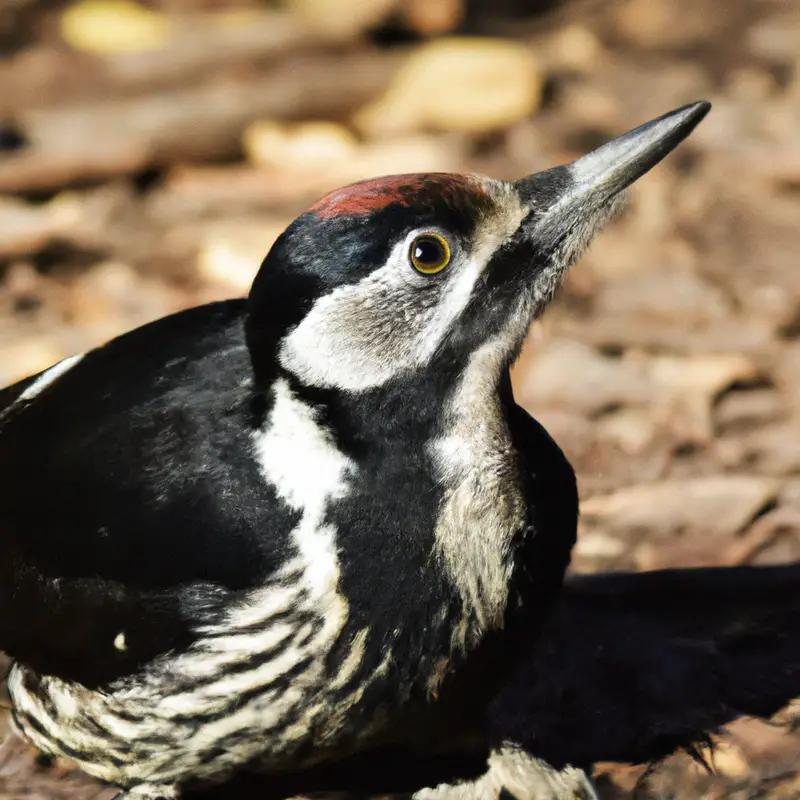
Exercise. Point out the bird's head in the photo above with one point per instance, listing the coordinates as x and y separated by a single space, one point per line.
400 275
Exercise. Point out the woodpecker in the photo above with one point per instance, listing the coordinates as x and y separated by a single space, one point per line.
259 532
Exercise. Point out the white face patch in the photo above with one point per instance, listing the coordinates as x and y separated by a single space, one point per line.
362 335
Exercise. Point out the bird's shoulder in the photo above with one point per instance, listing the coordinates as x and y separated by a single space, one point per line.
135 462
132 507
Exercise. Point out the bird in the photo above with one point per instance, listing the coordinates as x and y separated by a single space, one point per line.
628 668
272 531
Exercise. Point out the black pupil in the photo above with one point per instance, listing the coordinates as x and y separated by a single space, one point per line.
428 251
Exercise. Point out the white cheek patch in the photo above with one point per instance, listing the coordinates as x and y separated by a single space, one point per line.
362 335
358 336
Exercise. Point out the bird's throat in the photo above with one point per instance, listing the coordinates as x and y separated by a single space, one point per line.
484 510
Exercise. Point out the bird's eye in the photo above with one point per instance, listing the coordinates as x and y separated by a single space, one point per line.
429 253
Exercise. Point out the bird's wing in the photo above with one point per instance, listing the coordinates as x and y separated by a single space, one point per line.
129 495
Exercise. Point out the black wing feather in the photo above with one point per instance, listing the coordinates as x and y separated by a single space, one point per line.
128 494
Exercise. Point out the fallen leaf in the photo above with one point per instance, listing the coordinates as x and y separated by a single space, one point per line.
432 19
112 298
232 252
28 356
342 16
773 447
653 24
466 85
573 47
114 26
306 146
721 504
26 228
683 389
598 546
726 758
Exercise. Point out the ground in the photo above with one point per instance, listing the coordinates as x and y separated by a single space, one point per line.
148 167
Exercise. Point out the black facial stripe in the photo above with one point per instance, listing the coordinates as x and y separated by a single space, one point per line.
513 266
546 187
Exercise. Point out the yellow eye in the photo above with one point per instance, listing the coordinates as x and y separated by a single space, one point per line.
429 253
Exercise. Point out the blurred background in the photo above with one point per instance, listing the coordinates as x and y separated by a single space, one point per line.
151 152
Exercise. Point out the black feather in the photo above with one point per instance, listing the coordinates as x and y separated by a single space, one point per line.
133 546
635 666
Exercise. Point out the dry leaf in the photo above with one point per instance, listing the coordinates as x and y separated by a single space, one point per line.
721 504
574 47
111 298
598 546
114 26
28 356
26 228
232 252
465 85
342 16
433 18
306 146
727 758
569 373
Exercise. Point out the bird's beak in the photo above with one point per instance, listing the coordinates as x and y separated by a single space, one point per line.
562 197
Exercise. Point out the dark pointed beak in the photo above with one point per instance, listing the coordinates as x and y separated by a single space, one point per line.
590 182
